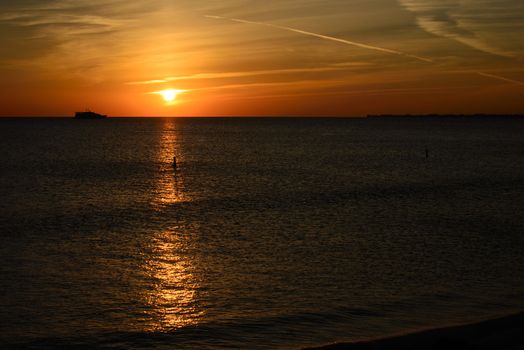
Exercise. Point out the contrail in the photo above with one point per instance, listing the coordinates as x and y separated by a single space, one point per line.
326 37
357 44
498 77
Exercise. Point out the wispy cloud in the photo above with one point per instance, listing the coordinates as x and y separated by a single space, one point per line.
58 19
326 37
465 21
53 20
425 6
364 92
220 75
148 82
300 84
74 39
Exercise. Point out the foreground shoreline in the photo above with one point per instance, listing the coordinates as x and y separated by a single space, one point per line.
502 333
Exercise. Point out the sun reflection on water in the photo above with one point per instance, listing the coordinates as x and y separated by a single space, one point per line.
174 298
172 301
169 187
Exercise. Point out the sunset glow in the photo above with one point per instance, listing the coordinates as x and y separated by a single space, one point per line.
327 58
247 174
168 95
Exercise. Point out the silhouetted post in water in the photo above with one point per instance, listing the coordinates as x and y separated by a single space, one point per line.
427 153
174 163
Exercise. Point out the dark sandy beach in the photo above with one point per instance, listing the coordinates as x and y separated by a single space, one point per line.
499 334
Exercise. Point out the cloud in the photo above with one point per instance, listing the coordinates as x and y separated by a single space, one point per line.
68 38
326 37
148 82
364 92
220 75
435 18
315 84
472 23
62 18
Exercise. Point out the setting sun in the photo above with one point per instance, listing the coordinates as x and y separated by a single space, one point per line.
168 95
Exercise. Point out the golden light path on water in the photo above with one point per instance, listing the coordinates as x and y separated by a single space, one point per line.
170 183
173 299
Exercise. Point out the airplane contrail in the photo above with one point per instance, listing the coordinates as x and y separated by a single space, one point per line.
498 77
357 44
327 37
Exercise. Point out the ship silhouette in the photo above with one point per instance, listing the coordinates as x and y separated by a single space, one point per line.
88 114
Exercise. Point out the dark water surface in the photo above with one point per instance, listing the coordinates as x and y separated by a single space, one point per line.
273 233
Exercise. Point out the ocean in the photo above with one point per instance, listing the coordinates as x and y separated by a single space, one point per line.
272 233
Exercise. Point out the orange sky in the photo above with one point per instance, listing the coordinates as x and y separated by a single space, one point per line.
241 57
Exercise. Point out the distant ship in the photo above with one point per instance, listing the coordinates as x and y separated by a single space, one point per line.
89 115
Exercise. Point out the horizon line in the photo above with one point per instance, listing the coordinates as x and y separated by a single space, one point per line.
370 115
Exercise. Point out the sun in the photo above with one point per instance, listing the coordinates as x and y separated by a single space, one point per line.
168 95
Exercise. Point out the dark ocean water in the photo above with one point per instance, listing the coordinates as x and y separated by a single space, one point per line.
273 233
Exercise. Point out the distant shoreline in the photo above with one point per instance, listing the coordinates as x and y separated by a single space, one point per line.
473 116
502 333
